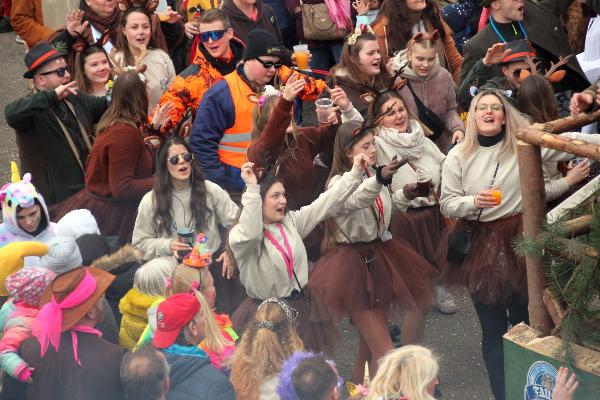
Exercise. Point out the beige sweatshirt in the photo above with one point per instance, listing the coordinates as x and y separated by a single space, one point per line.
431 160
152 245
463 179
359 222
262 268
159 73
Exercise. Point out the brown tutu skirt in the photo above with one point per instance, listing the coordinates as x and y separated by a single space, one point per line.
114 218
314 326
422 228
395 276
230 292
492 271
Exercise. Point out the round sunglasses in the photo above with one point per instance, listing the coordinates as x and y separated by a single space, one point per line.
187 157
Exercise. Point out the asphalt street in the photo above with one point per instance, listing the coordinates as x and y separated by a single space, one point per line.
456 338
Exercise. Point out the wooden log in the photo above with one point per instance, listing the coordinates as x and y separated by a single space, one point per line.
534 206
578 226
574 252
555 309
568 145
567 124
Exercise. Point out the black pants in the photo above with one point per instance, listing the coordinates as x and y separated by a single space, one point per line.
495 320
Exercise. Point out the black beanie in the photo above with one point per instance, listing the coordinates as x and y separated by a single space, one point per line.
262 43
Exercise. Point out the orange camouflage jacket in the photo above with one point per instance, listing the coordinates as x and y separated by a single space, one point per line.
188 88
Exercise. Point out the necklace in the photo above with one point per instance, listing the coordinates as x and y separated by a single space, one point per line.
502 38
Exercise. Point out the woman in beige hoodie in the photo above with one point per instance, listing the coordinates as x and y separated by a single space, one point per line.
270 255
494 275
363 272
399 134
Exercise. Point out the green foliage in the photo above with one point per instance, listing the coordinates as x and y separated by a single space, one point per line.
575 286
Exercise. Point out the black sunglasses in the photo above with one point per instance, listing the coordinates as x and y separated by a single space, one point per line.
269 64
187 157
60 72
214 35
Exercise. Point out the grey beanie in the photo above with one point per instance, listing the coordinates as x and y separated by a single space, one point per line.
63 255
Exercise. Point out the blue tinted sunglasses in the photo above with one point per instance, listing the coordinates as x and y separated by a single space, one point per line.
214 35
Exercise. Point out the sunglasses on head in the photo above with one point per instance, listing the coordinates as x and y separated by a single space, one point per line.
269 64
187 157
60 72
214 35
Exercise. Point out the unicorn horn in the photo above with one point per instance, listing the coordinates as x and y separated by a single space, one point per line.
367 378
14 172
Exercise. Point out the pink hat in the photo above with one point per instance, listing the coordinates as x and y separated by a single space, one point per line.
28 284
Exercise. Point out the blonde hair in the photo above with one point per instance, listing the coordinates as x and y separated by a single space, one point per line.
407 372
151 278
215 342
513 121
182 282
183 277
262 351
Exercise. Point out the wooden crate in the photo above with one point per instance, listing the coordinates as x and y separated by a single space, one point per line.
530 366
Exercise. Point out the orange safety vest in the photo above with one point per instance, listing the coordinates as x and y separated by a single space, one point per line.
236 140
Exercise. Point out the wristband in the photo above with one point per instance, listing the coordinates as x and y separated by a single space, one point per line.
380 177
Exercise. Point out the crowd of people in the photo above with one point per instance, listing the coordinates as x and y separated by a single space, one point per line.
185 229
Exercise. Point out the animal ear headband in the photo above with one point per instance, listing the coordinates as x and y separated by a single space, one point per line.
423 37
553 74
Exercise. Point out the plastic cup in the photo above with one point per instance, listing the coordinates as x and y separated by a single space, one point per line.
496 192
185 235
424 183
301 52
324 108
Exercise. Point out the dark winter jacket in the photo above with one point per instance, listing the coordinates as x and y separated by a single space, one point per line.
43 149
192 376
57 376
545 31
242 25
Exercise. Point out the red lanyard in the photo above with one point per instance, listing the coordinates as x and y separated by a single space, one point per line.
378 204
288 257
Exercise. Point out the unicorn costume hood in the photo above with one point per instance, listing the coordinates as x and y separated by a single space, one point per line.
14 197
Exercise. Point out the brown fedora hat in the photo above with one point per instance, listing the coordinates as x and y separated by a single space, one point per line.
65 283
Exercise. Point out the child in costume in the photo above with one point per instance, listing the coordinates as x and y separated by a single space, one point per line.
24 214
193 275
25 287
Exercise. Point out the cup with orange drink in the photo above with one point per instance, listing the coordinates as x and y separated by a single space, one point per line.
301 54
495 189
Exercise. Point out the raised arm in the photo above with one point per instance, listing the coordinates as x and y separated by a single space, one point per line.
246 236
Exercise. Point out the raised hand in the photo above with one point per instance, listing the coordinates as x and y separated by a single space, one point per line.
248 175
565 385
340 98
361 161
361 6
581 102
495 54
65 90
161 115
293 87
74 23
191 29
458 136
387 171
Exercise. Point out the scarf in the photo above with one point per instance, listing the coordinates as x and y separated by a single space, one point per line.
48 324
108 26
339 12
409 145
